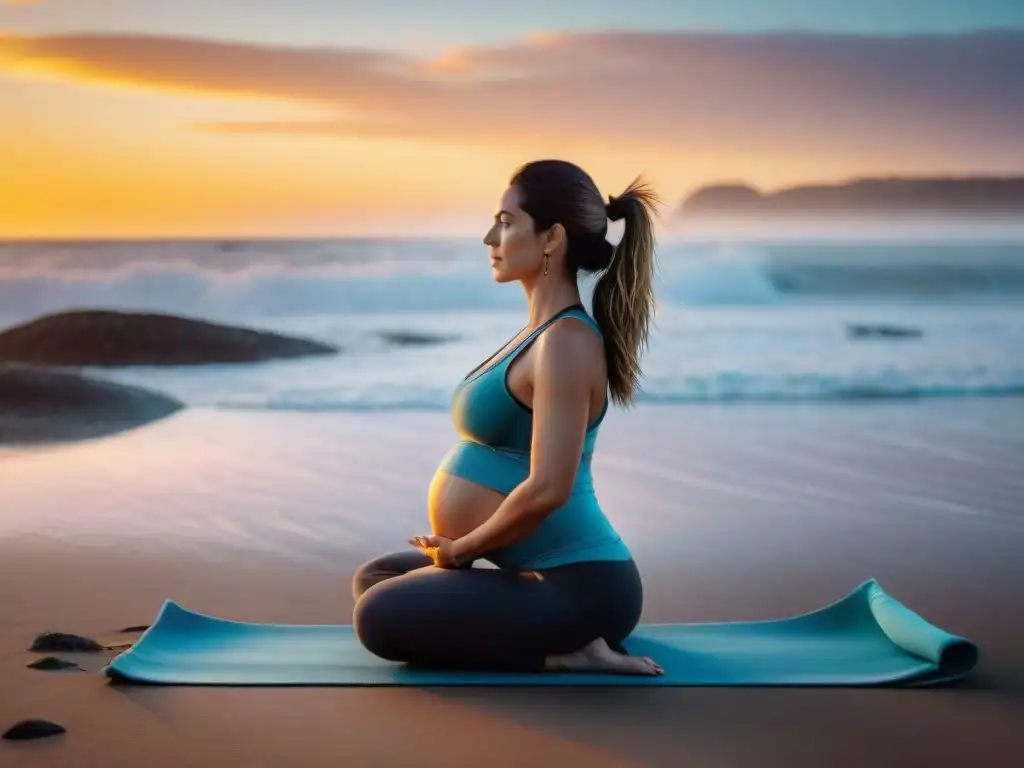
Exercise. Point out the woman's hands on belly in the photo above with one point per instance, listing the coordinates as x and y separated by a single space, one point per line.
457 506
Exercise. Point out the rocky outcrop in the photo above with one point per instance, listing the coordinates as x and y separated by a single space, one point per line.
111 338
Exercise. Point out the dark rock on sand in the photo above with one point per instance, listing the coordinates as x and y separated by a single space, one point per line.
61 641
414 338
33 729
136 628
864 331
111 338
52 663
39 405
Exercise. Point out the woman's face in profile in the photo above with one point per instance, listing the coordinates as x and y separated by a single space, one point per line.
516 250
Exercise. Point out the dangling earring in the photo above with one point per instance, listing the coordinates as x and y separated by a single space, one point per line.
546 256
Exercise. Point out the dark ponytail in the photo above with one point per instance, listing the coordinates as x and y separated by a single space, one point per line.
624 294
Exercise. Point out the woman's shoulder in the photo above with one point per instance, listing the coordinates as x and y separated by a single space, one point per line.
584 318
573 345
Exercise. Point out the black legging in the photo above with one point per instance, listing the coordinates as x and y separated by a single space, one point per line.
407 610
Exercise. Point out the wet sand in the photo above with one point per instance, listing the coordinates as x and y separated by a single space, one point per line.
734 513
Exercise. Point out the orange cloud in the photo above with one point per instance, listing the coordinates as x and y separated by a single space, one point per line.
952 96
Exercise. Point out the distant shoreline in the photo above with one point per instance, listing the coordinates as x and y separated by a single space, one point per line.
892 198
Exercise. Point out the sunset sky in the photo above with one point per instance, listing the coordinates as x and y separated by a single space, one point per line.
143 118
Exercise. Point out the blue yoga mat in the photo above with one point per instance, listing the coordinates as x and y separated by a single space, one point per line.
865 639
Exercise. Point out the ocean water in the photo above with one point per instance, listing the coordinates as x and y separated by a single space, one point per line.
736 322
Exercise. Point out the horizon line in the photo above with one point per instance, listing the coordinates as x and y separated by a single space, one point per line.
672 211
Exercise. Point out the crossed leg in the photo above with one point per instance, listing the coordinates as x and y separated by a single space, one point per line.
407 610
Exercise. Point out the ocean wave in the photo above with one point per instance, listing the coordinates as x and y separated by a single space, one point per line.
279 279
770 274
726 388
259 290
883 382
850 393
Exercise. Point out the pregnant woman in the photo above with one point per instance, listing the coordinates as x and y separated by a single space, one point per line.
517 489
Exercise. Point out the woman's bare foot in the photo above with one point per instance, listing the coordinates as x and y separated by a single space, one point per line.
598 657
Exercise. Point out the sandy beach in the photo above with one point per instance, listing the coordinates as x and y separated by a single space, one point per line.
255 257
736 512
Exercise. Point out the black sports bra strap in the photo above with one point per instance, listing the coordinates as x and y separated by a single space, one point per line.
540 329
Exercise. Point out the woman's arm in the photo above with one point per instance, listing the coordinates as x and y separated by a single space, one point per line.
566 365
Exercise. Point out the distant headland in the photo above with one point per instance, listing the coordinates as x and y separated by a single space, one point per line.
891 197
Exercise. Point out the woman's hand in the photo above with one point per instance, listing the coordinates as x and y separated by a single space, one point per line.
438 548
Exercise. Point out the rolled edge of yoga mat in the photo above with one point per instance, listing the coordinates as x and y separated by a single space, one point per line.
123 666
953 656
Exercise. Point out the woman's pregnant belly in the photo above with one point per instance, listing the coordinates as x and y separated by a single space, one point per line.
472 482
457 506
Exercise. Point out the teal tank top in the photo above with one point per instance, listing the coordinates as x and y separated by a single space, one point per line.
494 451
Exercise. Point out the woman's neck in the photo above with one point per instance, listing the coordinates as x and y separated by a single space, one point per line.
547 297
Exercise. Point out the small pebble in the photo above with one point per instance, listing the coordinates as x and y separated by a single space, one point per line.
61 641
52 662
33 729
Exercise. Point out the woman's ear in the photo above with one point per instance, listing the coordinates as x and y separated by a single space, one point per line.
555 238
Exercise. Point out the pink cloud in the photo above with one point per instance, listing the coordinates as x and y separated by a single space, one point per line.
774 93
